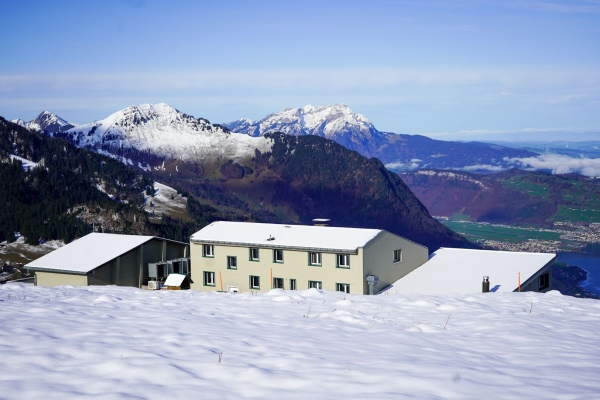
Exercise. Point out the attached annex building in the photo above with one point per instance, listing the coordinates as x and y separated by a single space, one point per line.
462 270
105 259
242 256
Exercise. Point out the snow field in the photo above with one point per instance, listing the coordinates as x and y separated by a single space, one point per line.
114 342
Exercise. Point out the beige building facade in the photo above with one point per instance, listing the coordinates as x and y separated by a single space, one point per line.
242 257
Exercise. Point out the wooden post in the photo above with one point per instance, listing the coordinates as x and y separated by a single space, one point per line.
141 266
519 281
118 271
221 279
271 278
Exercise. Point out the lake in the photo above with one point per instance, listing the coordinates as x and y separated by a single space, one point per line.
590 262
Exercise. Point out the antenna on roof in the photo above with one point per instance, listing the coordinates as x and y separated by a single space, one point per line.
321 221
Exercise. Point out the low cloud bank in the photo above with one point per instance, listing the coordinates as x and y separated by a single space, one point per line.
484 167
399 166
559 164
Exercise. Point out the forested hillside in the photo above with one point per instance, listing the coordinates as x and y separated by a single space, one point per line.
71 188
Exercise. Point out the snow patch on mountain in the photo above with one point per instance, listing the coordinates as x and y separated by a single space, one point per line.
166 132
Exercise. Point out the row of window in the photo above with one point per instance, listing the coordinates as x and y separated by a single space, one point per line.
278 283
314 258
343 260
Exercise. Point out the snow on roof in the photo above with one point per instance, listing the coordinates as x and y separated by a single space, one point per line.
174 279
462 271
88 252
286 236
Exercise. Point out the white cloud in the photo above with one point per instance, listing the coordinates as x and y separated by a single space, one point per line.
559 164
400 166
484 167
300 78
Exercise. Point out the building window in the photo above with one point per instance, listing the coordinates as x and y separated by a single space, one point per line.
231 262
254 282
278 256
254 254
342 287
277 283
209 278
343 260
397 255
544 281
292 284
315 284
208 250
314 258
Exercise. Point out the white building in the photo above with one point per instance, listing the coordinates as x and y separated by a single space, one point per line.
462 270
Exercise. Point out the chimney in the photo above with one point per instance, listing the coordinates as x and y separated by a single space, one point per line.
321 222
485 286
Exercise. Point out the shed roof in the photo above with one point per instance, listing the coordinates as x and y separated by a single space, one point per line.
175 279
327 238
89 252
462 270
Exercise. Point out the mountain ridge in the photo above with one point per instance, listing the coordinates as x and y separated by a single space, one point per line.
165 132
46 121
398 152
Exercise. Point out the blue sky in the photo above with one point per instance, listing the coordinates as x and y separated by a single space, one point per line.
449 69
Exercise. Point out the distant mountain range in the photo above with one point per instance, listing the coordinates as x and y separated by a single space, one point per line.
269 178
398 152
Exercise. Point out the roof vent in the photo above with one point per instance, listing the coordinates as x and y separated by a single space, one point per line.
321 222
270 238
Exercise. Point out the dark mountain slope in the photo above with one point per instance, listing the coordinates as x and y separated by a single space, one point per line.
306 177
320 178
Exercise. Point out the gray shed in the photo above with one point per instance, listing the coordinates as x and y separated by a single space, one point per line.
105 259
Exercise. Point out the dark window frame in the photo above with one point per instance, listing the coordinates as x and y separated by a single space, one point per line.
397 256
251 257
339 265
319 285
317 255
204 275
229 265
339 286
252 286
282 283
275 256
205 253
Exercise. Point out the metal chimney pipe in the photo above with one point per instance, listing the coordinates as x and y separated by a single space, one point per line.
485 287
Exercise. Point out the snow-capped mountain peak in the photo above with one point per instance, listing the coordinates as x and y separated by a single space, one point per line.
331 121
165 132
46 121
19 122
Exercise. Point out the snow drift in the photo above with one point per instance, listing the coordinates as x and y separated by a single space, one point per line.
108 342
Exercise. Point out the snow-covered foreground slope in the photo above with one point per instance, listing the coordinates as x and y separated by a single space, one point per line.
111 342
